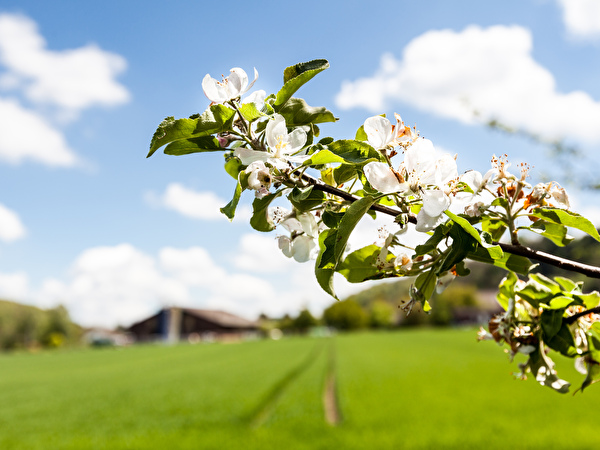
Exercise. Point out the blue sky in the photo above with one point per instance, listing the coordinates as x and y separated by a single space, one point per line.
87 221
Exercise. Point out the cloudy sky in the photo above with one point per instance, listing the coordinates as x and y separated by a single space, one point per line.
88 222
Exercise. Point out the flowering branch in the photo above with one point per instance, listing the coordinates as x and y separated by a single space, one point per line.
521 250
271 149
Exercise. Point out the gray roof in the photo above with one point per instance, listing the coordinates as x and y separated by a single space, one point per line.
222 318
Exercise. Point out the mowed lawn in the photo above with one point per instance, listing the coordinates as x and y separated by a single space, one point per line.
404 389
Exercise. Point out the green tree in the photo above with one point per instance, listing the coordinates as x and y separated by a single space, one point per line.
304 321
346 315
381 314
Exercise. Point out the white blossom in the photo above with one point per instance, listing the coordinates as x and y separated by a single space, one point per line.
282 145
233 86
259 178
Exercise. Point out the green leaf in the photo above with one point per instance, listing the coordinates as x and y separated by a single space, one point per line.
560 302
229 209
193 145
332 243
355 151
360 134
250 112
324 275
425 285
567 218
332 219
510 262
590 300
344 173
462 244
361 264
306 199
496 227
297 113
506 289
439 234
494 251
551 320
542 368
323 157
216 119
547 282
563 342
260 219
233 167
555 232
535 293
568 285
294 77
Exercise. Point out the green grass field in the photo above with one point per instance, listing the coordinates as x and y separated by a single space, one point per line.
409 389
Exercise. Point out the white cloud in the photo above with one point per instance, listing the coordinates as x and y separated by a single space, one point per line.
73 79
14 286
202 205
121 284
29 136
260 253
581 17
193 266
490 71
55 86
11 227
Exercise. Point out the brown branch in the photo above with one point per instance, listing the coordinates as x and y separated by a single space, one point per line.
521 250
571 319
561 263
351 198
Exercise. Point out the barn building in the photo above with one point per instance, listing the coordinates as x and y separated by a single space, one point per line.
179 324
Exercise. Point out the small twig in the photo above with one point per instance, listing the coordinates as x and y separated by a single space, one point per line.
571 319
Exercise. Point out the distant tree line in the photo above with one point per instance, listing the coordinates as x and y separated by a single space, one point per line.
379 308
28 327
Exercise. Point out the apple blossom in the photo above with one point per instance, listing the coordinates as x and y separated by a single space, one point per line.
281 145
233 86
259 178
304 233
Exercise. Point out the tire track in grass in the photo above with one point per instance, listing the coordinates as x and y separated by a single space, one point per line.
331 406
264 409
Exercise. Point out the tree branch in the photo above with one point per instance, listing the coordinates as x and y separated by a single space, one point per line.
571 319
561 263
351 198
521 250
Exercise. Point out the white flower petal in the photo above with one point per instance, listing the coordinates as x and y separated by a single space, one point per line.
285 245
381 177
248 156
426 222
379 131
302 248
297 139
237 82
258 98
276 131
214 90
309 224
473 179
435 202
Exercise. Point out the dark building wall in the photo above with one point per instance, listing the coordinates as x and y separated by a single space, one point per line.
161 327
